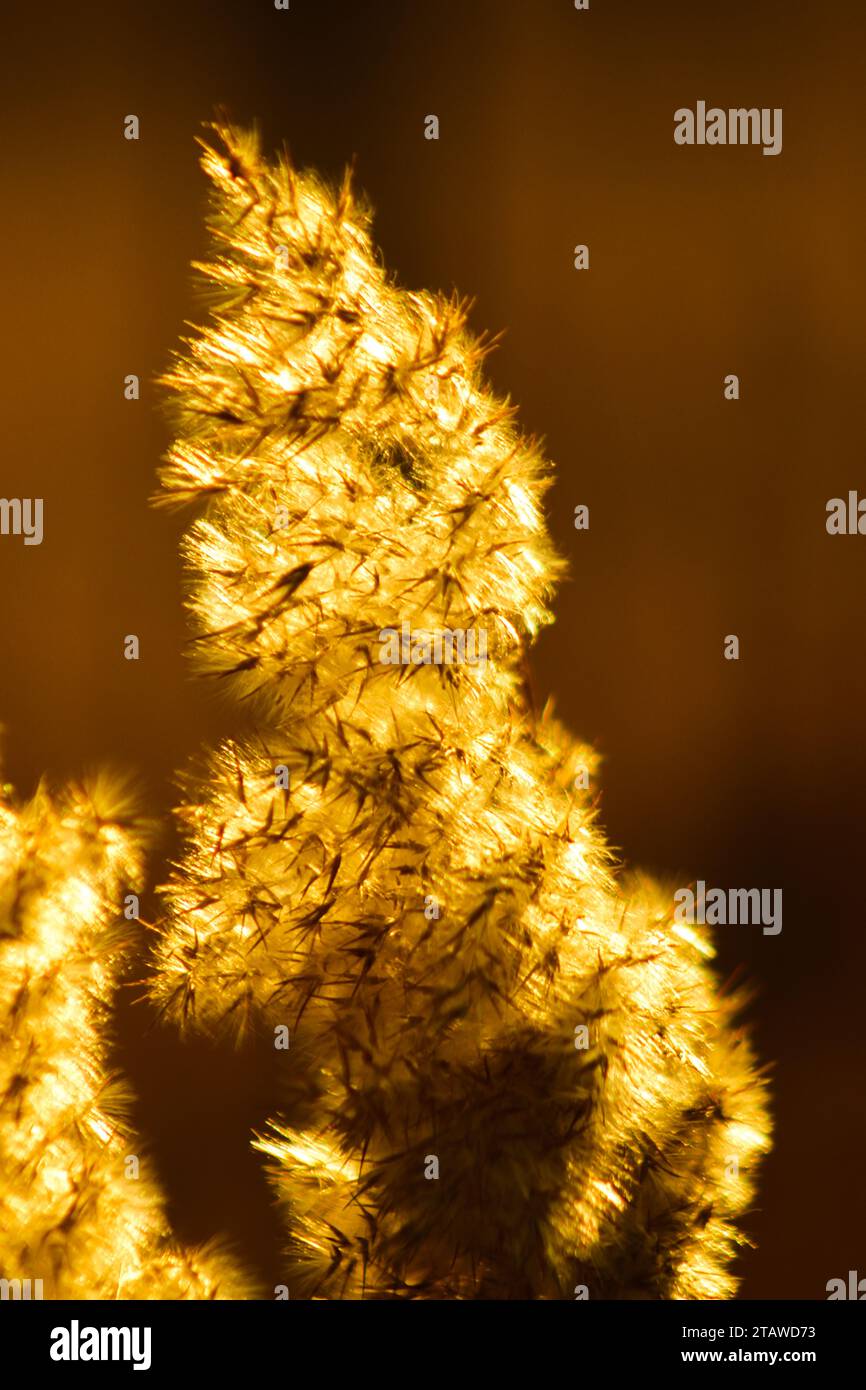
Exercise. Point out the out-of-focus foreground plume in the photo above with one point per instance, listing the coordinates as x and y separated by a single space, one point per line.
75 1212
429 908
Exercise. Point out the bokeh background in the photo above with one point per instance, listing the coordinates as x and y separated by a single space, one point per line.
706 517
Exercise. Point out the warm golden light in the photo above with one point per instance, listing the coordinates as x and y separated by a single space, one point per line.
74 1213
513 1075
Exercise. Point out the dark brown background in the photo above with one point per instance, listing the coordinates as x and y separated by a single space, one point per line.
706 517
